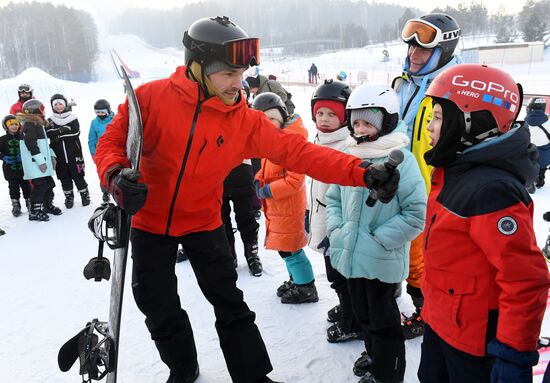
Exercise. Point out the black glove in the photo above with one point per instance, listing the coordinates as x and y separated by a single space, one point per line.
381 178
306 221
129 194
324 245
64 129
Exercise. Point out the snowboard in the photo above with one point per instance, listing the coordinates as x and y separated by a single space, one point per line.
133 151
97 345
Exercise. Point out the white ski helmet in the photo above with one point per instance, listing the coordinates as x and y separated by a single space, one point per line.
371 95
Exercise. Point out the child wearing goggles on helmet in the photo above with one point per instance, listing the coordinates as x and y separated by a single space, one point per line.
24 93
12 166
328 109
485 282
431 40
370 245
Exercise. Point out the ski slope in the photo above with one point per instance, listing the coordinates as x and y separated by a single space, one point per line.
46 300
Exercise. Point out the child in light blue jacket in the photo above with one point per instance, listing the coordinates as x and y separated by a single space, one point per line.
370 245
104 116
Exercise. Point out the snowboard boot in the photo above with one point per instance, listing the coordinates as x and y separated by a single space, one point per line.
106 197
181 256
50 208
178 378
37 214
69 199
286 286
412 326
336 334
301 294
85 196
252 258
362 364
15 207
334 314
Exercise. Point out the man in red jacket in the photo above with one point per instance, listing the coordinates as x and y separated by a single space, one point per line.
196 128
485 281
24 93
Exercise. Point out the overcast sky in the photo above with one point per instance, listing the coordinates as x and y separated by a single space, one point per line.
100 6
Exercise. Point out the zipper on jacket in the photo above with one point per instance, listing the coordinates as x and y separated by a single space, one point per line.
409 102
183 165
428 232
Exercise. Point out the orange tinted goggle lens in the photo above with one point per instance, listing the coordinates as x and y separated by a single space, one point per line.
425 33
243 52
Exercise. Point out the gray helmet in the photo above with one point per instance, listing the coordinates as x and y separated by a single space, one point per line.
269 100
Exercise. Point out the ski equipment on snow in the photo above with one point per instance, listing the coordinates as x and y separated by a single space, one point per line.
110 224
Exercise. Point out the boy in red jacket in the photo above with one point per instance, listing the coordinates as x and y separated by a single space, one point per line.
485 282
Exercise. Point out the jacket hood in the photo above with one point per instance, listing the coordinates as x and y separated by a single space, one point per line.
511 152
191 91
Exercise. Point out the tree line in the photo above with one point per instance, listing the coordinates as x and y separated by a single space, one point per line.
316 25
59 40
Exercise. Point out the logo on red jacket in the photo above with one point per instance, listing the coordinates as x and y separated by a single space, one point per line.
507 225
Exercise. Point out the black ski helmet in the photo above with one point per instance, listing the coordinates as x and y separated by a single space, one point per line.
537 103
269 100
333 90
450 34
33 106
219 39
24 88
6 119
59 96
102 104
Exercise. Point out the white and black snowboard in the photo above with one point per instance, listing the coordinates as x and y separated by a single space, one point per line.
98 343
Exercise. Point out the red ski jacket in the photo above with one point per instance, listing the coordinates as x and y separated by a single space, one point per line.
484 275
190 145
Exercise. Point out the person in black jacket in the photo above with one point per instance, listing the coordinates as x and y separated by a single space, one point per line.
63 131
10 153
238 187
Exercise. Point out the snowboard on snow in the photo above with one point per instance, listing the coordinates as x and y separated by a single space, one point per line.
97 345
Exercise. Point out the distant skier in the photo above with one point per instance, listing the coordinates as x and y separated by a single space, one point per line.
38 161
485 282
284 199
24 93
12 166
64 133
103 117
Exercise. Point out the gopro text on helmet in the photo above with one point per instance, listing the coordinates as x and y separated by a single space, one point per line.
486 87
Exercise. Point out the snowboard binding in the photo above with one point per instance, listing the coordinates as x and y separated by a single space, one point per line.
107 223
95 354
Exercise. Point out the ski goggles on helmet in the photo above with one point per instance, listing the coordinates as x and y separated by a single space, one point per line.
101 111
236 53
426 34
24 88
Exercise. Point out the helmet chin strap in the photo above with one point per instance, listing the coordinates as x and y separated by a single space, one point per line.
467 139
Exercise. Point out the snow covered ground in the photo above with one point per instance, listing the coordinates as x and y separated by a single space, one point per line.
46 300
